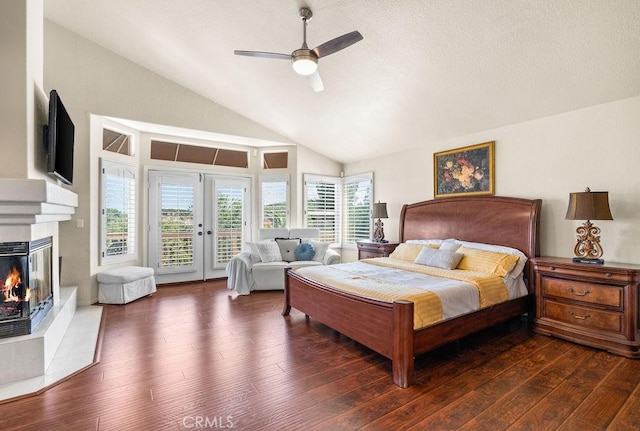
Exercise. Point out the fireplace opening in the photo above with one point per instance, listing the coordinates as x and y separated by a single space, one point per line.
26 287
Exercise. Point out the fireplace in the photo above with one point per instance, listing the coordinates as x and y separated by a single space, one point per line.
26 286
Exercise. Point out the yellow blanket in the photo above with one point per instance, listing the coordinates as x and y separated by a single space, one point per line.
427 304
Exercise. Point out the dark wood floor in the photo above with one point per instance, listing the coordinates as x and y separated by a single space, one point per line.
197 356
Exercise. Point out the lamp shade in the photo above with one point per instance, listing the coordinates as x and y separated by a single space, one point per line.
305 64
589 205
379 210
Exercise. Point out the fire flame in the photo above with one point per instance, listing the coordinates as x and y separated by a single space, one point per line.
11 282
13 278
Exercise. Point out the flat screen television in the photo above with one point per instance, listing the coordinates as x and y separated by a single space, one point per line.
59 140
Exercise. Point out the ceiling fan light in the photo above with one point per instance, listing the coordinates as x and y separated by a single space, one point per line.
305 65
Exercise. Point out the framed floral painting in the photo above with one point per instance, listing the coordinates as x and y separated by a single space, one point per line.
464 171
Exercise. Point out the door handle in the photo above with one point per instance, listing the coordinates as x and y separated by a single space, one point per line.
199 233
209 232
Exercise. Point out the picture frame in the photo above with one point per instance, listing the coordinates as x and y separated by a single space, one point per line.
464 171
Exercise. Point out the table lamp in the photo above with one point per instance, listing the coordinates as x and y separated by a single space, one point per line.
588 206
379 212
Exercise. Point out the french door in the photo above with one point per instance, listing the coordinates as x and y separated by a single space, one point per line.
196 224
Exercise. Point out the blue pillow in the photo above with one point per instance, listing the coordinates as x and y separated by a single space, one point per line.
305 251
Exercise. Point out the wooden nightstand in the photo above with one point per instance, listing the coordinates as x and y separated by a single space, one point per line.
590 304
367 249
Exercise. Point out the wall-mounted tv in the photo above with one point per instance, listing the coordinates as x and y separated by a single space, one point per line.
59 140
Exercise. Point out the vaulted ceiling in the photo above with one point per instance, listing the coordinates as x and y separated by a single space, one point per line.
426 70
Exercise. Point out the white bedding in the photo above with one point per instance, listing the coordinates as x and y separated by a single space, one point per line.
457 297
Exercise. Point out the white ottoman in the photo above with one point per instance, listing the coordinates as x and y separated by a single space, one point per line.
125 284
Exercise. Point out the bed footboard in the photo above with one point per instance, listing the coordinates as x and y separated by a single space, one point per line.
403 343
386 328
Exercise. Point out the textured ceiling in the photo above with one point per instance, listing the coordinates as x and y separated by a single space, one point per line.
427 70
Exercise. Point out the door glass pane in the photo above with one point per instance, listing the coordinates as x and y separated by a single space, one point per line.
229 221
176 224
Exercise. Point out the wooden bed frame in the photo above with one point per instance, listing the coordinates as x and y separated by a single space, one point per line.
387 328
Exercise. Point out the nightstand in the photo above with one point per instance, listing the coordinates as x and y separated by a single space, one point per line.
590 304
367 249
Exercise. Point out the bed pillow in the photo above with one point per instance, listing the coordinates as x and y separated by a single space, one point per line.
321 249
449 245
425 241
268 251
287 248
439 258
407 251
491 262
517 269
305 251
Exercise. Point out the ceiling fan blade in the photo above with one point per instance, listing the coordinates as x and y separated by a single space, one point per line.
263 54
316 82
335 45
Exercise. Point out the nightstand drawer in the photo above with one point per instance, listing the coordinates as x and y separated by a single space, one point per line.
371 249
584 292
584 316
368 254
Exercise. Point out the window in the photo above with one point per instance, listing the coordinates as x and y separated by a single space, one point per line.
116 142
357 198
275 160
322 205
118 211
199 154
274 195
339 207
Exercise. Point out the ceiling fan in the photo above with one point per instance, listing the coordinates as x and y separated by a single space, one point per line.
305 60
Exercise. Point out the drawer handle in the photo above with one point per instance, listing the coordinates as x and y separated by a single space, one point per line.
585 293
575 316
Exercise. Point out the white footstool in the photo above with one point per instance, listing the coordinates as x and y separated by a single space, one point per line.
125 284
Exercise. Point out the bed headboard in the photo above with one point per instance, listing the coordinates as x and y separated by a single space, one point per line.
513 222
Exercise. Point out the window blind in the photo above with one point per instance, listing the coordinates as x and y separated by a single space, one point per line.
118 185
176 230
322 206
357 208
229 221
275 201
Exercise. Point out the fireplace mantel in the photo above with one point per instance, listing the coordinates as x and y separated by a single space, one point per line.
30 209
31 201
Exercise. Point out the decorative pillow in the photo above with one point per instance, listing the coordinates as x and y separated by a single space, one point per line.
268 251
517 269
438 258
305 251
321 249
407 251
253 249
486 261
288 248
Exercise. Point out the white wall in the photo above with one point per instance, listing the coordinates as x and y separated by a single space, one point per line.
23 102
94 81
596 147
